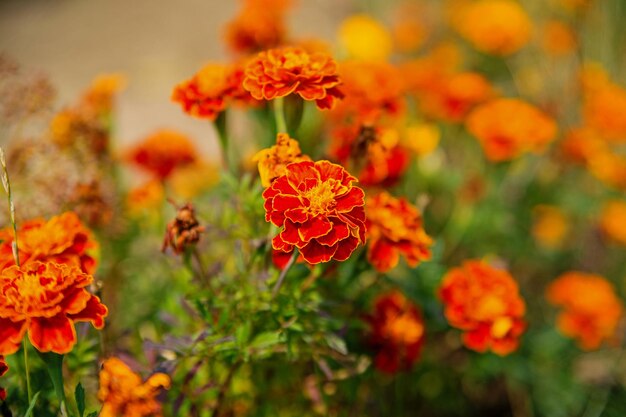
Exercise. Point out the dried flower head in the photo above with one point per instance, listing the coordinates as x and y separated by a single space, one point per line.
503 137
318 210
397 332
123 393
45 300
280 72
394 227
591 309
272 161
485 303
184 231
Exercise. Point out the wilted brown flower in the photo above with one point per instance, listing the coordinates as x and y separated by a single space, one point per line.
183 231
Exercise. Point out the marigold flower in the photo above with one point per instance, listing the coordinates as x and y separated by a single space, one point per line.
591 309
394 227
162 152
609 168
604 105
100 94
319 210
582 144
558 38
145 196
485 303
613 220
499 27
259 26
45 300
397 332
421 138
504 138
211 90
272 161
183 231
280 72
63 239
550 226
410 29
124 394
3 370
364 38
190 180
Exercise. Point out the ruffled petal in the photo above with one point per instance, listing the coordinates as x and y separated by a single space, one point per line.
11 334
54 334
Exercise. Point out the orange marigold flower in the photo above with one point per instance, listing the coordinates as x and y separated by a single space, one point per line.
397 332
591 309
272 161
485 303
363 37
550 226
210 91
162 152
63 239
582 144
499 27
609 168
558 38
148 196
45 299
319 210
280 72
504 138
100 94
259 26
613 220
604 105
394 227
124 394
372 90
3 370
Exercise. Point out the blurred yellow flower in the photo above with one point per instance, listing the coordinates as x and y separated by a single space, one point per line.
421 138
190 180
362 37
146 197
613 221
550 226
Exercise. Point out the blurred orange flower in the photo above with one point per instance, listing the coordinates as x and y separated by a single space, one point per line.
604 106
63 239
100 94
162 152
499 27
550 226
211 90
363 37
582 144
319 210
145 197
591 309
558 38
394 227
613 220
280 72
397 332
45 299
258 26
609 168
503 137
485 303
124 394
272 161
3 370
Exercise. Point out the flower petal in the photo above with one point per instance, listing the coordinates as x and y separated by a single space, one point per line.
316 227
11 334
54 334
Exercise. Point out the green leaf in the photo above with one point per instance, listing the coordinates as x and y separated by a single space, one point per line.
79 395
266 340
336 343
32 405
93 414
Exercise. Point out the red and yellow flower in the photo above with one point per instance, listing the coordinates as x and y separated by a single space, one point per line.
397 332
319 210
45 300
591 309
123 393
485 303
280 72
63 239
504 138
162 152
272 161
394 227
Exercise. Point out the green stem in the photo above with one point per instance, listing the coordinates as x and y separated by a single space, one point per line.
54 363
27 370
222 136
279 115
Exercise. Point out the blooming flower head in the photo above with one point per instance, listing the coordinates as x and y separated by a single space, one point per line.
558 38
124 394
63 239
613 221
591 309
397 332
503 137
421 138
364 38
3 370
318 210
485 303
604 104
100 94
499 27
45 300
162 152
550 226
375 153
609 167
210 91
394 227
272 161
582 144
280 72
258 26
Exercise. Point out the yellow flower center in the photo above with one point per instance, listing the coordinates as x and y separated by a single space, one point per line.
403 329
322 197
501 327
